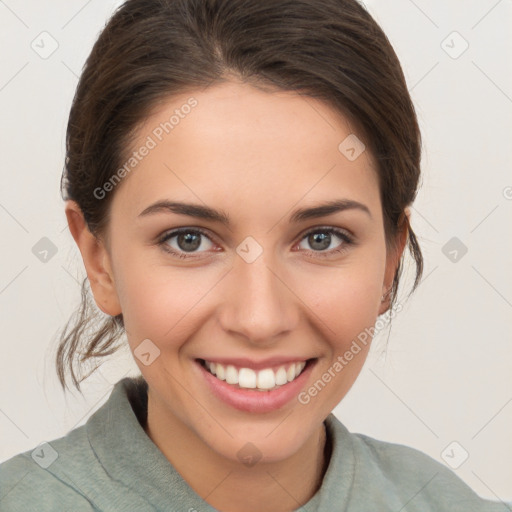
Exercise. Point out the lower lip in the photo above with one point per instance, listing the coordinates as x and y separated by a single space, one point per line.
252 400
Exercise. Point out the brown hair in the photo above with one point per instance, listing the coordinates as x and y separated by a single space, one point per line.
150 50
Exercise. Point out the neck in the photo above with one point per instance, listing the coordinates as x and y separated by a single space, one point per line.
231 486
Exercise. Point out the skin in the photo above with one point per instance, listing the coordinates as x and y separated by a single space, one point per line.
258 156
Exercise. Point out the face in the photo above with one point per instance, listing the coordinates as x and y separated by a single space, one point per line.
259 285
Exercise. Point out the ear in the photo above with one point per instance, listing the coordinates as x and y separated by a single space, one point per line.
96 260
393 258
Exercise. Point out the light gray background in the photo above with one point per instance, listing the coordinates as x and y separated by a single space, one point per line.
446 374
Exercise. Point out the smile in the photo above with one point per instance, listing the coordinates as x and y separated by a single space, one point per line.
256 389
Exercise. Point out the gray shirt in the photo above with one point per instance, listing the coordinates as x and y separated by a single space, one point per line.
111 464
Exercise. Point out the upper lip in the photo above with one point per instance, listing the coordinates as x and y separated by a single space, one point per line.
243 362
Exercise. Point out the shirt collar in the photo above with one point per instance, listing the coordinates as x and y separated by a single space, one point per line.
117 437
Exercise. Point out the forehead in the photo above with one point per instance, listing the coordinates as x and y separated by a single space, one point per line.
235 144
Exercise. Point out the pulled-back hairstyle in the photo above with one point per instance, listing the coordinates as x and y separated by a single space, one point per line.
151 50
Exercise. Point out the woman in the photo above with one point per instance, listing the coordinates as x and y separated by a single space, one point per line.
278 140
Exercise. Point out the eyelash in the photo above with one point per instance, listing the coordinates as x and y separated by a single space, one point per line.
347 239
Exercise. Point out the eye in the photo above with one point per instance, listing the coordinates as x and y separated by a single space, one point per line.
321 238
188 240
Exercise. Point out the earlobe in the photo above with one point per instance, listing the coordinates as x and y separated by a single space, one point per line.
96 260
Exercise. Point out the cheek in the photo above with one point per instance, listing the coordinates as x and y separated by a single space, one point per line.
346 299
160 302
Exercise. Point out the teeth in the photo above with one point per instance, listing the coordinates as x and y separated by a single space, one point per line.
231 375
290 374
262 380
246 378
281 376
220 372
266 379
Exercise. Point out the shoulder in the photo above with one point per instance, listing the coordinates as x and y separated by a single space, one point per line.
384 476
29 480
416 479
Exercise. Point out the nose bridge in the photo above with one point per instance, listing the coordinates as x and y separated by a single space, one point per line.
259 305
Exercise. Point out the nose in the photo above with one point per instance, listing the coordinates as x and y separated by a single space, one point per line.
260 305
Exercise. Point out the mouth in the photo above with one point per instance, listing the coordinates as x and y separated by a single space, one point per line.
266 379
256 390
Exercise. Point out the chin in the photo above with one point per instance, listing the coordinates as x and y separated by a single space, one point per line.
269 443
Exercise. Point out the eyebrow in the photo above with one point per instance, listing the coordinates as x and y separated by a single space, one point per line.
207 213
